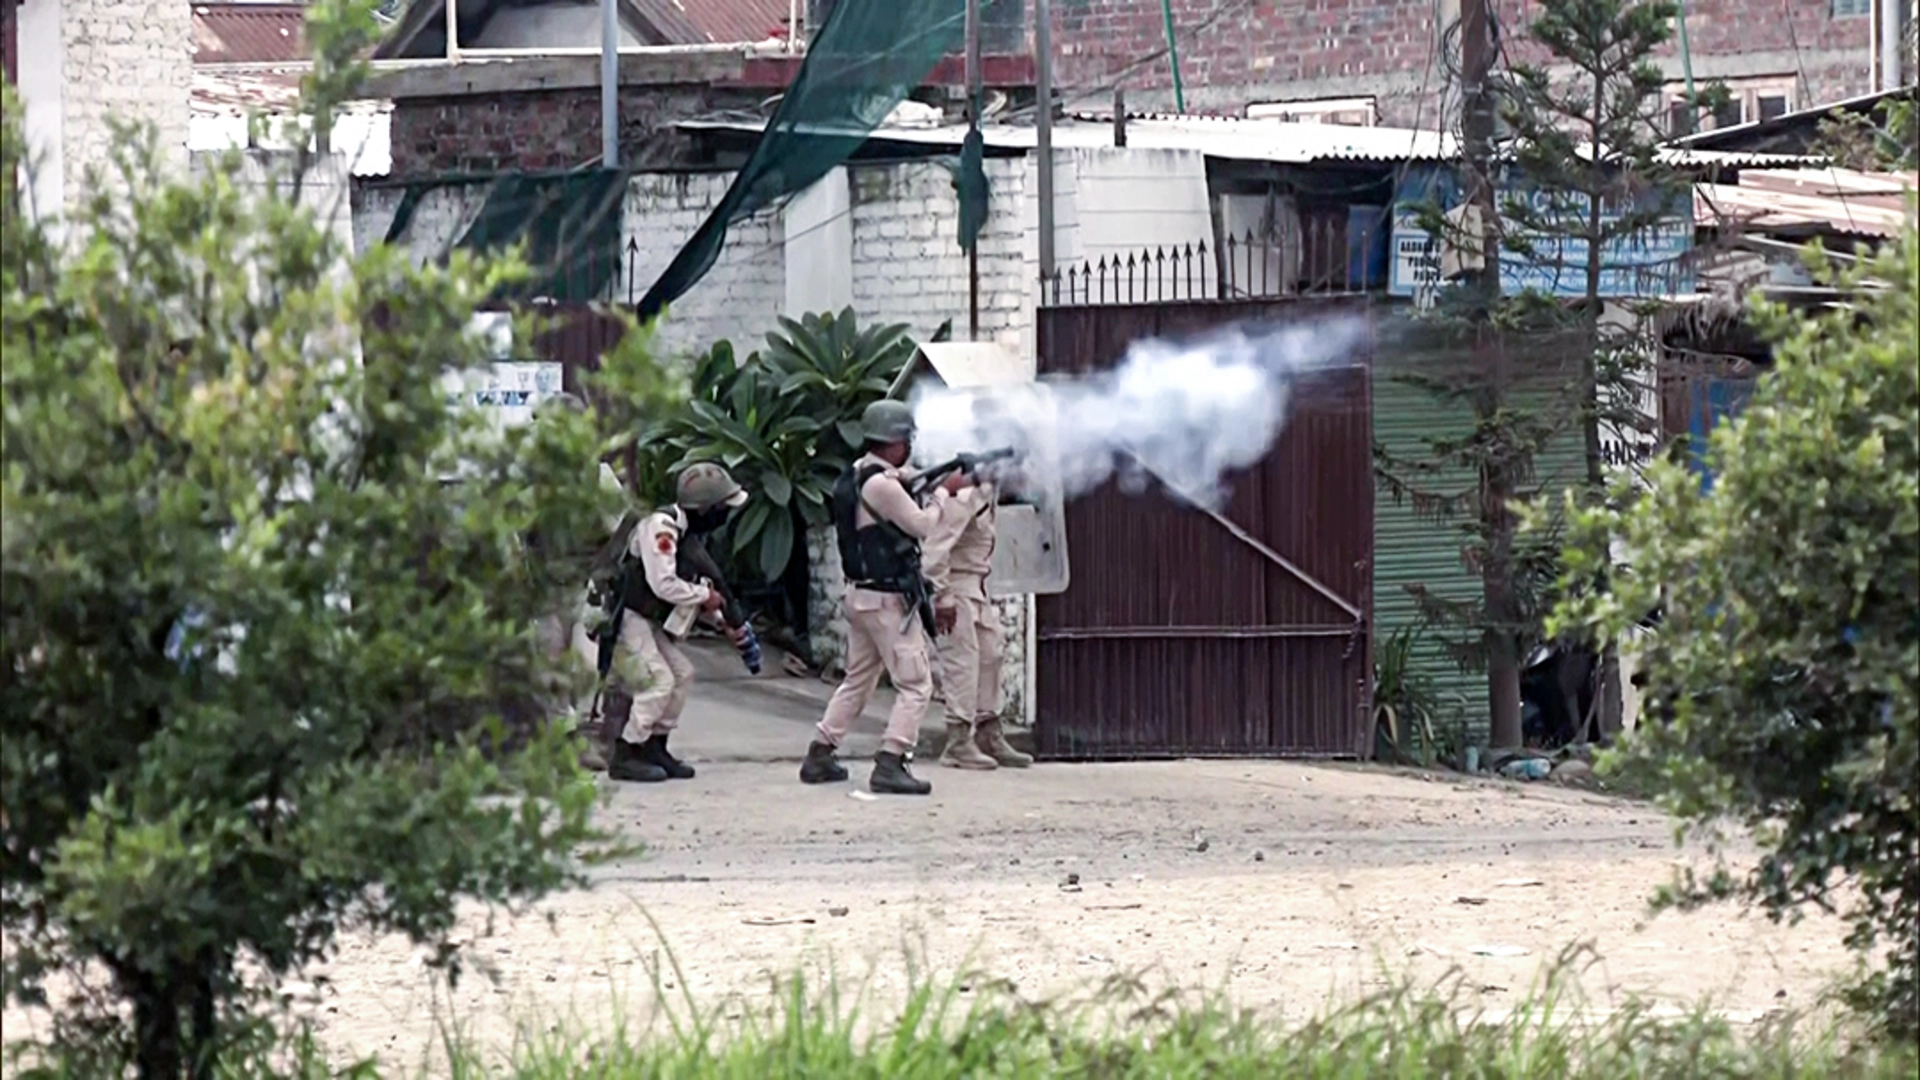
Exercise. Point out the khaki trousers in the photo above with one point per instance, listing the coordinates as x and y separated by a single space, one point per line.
651 666
568 630
970 656
876 642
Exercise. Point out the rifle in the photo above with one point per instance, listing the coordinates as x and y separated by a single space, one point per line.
693 563
967 463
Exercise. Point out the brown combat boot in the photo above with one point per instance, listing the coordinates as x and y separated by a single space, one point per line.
962 752
991 737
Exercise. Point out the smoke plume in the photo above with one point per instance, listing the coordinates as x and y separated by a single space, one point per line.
1186 413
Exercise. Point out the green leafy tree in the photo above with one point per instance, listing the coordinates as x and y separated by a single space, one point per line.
259 657
1781 679
785 421
1587 129
1582 178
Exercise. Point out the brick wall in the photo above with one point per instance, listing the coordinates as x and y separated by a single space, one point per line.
742 296
129 59
907 267
907 263
1233 52
547 129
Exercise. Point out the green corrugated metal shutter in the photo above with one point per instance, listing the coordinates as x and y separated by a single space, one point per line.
1410 550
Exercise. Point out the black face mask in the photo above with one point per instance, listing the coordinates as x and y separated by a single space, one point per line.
701 522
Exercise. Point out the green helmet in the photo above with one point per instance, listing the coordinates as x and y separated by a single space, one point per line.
705 485
887 422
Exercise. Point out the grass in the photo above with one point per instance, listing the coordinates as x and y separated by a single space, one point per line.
977 1029
972 1028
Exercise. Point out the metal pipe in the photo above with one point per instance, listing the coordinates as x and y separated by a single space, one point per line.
973 124
1686 67
1890 44
1043 134
609 84
1173 56
453 31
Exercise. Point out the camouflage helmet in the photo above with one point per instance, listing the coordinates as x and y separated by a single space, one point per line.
705 485
887 422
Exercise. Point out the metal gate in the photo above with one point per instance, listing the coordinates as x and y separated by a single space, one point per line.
1241 633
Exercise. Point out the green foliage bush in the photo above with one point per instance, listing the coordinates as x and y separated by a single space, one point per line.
785 422
256 653
1781 679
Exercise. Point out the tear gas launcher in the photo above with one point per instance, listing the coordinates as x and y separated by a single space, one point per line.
966 463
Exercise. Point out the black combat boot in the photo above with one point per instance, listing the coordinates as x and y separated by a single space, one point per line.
820 766
890 777
630 763
656 753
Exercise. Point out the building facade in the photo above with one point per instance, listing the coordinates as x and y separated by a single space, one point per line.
1776 57
79 63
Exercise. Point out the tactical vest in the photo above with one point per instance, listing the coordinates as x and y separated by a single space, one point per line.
618 570
881 556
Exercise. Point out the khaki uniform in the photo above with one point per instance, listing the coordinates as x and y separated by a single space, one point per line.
957 558
649 661
569 628
882 635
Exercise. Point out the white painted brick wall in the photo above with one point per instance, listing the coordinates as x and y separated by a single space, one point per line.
907 263
907 267
127 59
441 215
741 297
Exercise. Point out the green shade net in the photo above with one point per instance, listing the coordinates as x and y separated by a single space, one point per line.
570 222
571 226
970 183
866 59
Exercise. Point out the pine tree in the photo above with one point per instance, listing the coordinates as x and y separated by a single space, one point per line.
1581 178
1600 197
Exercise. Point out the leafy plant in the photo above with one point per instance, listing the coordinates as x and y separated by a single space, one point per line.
1784 681
1403 699
253 654
786 423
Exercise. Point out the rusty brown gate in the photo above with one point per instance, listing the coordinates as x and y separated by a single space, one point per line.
1241 633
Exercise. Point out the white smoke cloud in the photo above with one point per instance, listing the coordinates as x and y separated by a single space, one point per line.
1188 413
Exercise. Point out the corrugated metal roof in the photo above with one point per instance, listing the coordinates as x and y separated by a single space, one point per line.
1756 131
223 101
1809 200
249 33
659 22
722 22
1226 137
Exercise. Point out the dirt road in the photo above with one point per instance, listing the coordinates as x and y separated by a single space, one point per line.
1286 886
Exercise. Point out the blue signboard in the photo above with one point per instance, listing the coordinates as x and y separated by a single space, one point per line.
1654 262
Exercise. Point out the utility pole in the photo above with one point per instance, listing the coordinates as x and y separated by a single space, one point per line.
609 83
974 79
1043 132
1497 480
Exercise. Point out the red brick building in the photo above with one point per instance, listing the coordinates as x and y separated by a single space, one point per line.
1347 61
1774 54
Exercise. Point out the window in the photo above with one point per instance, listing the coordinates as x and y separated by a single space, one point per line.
1749 100
1679 119
1843 9
1349 112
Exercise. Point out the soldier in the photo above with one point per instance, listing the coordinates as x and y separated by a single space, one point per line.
569 626
880 527
650 588
959 556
